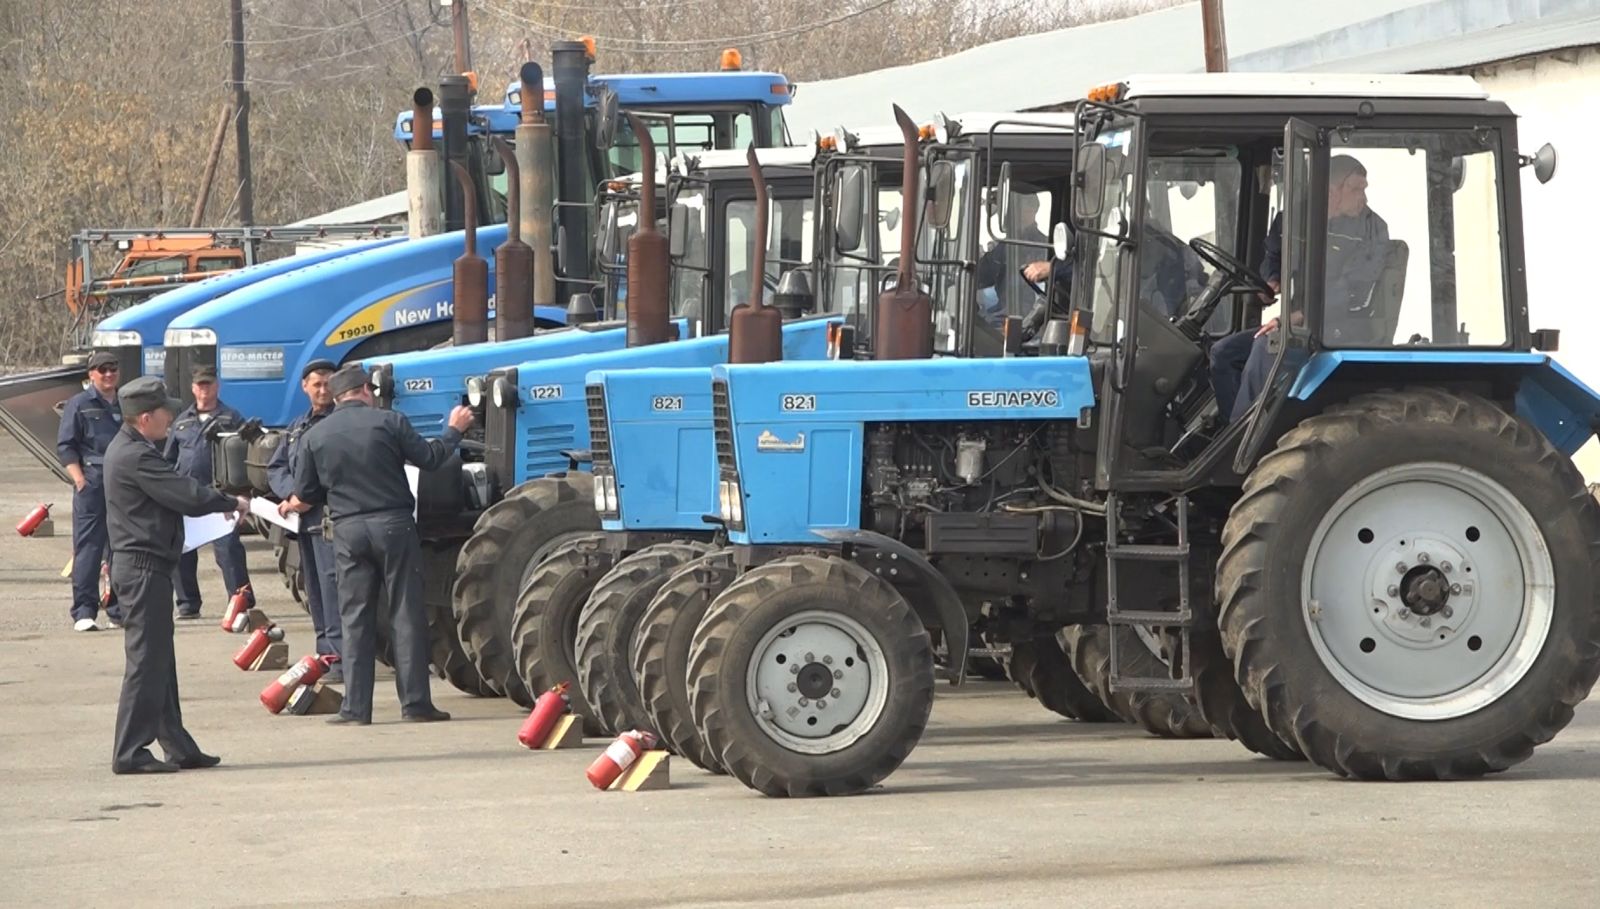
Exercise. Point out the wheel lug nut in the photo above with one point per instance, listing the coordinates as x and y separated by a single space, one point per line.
1427 623
810 658
821 704
1447 567
827 661
1394 590
1405 613
834 693
1424 558
838 674
794 669
1448 612
804 702
1400 567
1455 588
793 687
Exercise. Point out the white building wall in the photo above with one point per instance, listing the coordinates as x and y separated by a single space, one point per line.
1557 97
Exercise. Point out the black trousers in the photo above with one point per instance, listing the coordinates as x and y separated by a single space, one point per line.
148 711
229 553
380 555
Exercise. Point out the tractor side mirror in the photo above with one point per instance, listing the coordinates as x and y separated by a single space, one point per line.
851 211
561 251
1061 241
942 190
891 219
608 234
677 231
606 119
1089 184
1003 208
1544 163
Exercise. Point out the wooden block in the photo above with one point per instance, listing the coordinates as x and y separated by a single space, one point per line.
568 733
649 773
66 572
258 619
274 659
46 528
315 699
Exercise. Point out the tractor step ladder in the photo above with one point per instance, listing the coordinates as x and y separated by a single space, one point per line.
1178 622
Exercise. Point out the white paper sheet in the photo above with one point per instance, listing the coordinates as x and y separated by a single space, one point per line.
198 532
268 511
413 476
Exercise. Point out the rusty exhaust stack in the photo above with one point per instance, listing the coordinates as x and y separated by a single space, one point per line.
905 314
471 288
649 317
755 330
513 261
424 172
422 120
536 157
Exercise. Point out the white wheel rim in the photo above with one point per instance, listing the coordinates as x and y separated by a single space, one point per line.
817 682
1428 591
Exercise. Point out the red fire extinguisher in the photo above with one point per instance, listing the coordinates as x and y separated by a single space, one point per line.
238 605
618 756
546 710
306 672
31 523
257 645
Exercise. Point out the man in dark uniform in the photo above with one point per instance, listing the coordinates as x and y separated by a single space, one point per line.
354 463
189 447
146 501
316 551
88 424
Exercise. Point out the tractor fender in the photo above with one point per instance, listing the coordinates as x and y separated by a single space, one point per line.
946 602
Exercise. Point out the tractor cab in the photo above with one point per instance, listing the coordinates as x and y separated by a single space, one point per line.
1365 215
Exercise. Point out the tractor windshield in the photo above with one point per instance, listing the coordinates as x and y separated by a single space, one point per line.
690 270
1113 230
942 253
619 218
788 245
860 260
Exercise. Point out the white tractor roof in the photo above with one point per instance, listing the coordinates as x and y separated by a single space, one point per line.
1303 85
793 156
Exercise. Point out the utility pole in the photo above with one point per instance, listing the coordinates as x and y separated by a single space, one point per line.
1216 37
210 173
241 108
463 36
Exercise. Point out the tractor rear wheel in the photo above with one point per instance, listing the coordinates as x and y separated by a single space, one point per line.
606 629
286 555
1410 587
660 656
449 660
1222 701
1165 714
545 622
1051 680
510 539
811 676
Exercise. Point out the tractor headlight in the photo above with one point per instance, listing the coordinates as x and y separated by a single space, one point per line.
730 502
605 495
503 393
377 378
105 339
190 337
475 392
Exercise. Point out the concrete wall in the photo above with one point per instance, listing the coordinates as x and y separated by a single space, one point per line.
1557 96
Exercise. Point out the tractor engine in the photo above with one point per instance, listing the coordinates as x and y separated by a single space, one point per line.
1014 490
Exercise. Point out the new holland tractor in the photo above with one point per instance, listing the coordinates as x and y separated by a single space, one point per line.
621 606
1383 559
536 440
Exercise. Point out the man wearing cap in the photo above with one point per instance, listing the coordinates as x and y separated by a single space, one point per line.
354 462
88 424
146 501
316 551
189 448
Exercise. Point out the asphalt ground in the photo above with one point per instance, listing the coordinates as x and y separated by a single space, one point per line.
1002 804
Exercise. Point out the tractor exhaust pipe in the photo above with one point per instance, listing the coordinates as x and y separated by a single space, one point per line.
513 261
904 313
455 107
471 290
570 63
755 330
649 317
424 172
536 158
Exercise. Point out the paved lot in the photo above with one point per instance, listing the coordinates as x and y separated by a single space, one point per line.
1001 805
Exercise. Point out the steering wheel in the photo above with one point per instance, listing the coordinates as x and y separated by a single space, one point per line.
1033 285
1221 259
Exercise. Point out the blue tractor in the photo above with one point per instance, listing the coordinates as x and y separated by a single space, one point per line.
402 298
1380 558
654 460
536 439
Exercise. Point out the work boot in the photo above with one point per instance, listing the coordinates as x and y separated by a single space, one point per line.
431 715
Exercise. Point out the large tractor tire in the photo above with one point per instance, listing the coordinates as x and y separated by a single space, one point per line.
545 624
811 676
1164 714
606 629
449 661
660 656
1410 587
510 539
1222 701
1040 667
286 555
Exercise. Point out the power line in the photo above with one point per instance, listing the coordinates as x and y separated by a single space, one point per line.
665 46
310 30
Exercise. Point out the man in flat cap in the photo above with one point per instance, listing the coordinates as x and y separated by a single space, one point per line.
354 462
316 550
88 424
146 501
189 447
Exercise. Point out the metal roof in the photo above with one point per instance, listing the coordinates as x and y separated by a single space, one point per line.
1301 85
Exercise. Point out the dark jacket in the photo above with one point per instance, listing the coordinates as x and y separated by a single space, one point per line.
88 424
1357 248
147 499
281 466
354 461
187 446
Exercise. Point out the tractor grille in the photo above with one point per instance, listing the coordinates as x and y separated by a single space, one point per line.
427 425
722 426
543 448
599 431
